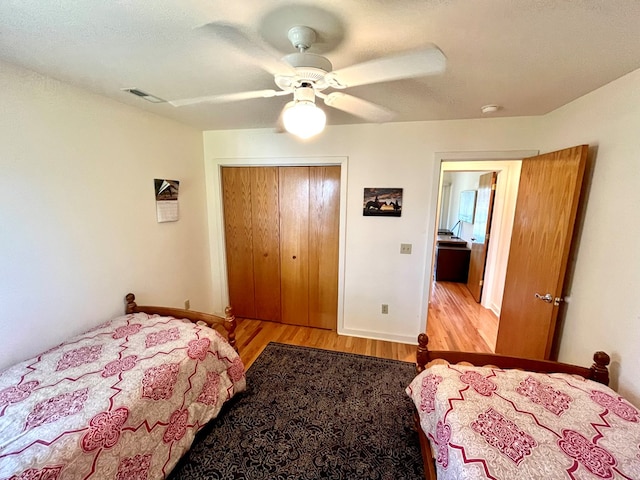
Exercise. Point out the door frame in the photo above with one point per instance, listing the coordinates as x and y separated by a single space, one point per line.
440 157
215 214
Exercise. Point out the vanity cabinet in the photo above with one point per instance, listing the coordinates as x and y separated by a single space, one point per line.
452 260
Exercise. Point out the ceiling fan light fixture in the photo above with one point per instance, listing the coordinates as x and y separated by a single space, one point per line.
303 119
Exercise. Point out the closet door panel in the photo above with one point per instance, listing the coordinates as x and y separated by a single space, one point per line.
294 244
324 224
266 242
236 194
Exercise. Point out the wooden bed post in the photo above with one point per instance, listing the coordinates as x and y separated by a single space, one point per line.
230 326
600 372
422 354
131 303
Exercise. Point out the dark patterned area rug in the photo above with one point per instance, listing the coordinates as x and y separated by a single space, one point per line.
309 414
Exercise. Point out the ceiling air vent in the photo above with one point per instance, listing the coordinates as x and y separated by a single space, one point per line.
143 95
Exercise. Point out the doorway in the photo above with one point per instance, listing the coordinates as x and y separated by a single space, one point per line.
470 325
549 192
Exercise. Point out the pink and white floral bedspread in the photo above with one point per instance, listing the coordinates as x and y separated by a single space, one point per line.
486 423
122 401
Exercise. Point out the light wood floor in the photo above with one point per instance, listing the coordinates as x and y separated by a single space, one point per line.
456 322
253 335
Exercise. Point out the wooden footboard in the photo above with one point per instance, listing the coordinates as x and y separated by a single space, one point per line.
597 372
228 323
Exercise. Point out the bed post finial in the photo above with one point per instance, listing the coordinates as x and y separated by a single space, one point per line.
599 370
130 300
422 353
230 326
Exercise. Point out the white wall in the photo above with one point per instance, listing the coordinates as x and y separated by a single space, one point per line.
77 215
391 155
603 312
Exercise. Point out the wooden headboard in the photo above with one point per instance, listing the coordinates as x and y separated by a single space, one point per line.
228 323
597 372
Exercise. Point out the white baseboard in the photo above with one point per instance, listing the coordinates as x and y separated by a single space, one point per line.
411 340
495 309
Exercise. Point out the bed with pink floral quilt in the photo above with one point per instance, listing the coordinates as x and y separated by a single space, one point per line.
122 401
495 423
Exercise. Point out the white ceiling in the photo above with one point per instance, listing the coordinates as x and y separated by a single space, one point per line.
529 56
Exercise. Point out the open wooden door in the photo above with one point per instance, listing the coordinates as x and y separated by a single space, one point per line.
546 209
481 227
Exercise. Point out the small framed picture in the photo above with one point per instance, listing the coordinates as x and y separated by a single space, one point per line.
382 202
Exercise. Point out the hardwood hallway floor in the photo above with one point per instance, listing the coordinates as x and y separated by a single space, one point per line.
456 322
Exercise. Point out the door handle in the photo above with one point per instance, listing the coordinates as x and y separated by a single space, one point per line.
545 298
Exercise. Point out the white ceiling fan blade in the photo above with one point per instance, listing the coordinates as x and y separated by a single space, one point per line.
427 61
358 107
229 97
266 57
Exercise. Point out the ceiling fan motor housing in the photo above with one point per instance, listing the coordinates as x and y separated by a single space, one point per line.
309 67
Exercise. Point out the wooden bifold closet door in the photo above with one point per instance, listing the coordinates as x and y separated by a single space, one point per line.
252 235
281 231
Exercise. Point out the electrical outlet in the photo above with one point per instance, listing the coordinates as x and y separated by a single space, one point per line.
385 308
187 304
405 248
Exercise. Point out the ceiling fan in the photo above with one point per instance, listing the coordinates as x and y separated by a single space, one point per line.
308 75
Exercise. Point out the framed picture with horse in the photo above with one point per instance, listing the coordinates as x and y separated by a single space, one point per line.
382 202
